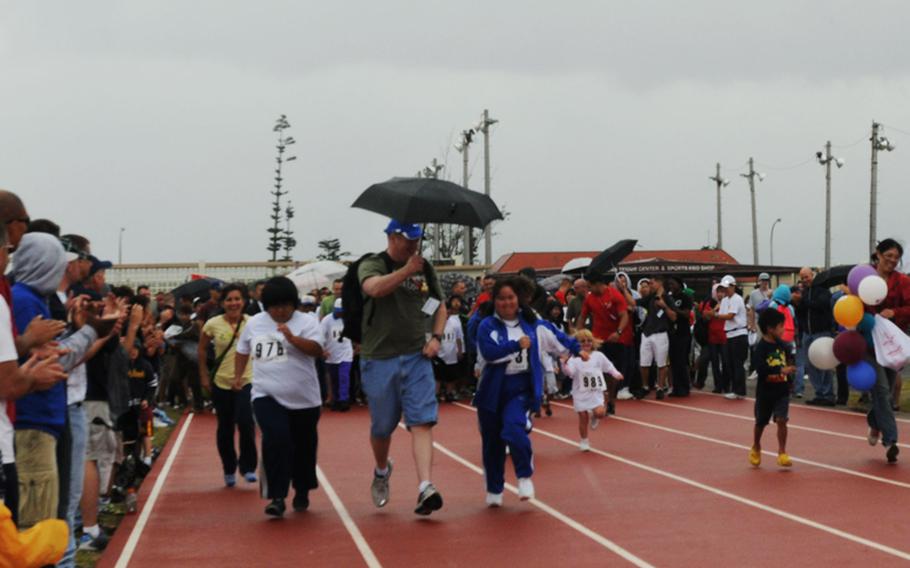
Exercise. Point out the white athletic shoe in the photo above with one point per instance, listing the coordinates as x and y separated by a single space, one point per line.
873 437
624 394
525 488
732 396
494 499
753 376
595 421
584 445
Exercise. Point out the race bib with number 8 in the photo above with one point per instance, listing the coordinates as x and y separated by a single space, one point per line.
518 363
270 348
594 382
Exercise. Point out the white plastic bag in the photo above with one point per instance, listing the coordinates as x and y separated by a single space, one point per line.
892 346
753 338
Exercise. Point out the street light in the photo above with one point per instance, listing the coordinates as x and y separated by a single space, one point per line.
772 240
120 246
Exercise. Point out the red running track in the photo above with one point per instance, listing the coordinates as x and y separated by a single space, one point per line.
667 485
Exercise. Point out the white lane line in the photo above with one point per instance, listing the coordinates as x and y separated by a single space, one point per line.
805 407
596 537
732 496
745 447
752 419
127 553
349 523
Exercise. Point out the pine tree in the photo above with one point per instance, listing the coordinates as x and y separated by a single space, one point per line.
331 250
278 236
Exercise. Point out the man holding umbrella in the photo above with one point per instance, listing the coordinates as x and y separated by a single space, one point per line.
400 292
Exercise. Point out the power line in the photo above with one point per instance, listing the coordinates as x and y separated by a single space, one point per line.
778 168
852 144
895 129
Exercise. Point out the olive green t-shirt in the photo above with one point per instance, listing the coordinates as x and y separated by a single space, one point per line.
395 324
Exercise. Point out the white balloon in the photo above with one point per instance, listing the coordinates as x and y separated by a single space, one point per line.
872 290
821 354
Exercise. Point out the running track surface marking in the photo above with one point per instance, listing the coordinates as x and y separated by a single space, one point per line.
189 517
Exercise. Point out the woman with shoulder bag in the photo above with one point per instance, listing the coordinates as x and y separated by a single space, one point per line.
232 401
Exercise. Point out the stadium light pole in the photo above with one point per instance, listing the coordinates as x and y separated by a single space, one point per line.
463 146
826 159
719 182
878 143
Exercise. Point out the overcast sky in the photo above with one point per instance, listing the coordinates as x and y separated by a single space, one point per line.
157 117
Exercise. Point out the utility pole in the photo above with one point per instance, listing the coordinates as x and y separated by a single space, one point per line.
751 177
720 182
485 123
432 171
120 246
825 158
878 143
467 136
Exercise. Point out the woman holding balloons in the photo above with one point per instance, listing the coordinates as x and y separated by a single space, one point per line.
896 306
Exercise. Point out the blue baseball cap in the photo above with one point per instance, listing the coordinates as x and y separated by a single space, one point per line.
410 231
99 265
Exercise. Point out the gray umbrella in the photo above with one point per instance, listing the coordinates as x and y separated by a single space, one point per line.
429 200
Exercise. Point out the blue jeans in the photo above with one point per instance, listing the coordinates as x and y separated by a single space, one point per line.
880 416
822 381
79 436
399 385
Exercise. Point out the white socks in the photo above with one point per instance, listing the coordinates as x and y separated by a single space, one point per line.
423 485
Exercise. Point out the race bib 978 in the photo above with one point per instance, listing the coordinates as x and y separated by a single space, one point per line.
270 348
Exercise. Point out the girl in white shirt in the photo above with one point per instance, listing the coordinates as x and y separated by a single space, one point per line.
588 384
451 352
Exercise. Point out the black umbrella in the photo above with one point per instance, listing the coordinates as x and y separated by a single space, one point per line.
429 200
834 276
194 288
611 257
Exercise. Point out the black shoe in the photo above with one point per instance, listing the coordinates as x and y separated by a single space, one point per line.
276 508
815 402
344 406
826 402
301 502
548 410
841 402
892 452
660 394
611 408
641 393
428 501
718 391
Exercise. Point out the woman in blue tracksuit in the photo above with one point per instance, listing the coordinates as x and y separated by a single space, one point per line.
511 385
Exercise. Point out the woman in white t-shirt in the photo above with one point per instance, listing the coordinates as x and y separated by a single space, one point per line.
588 384
339 356
283 344
447 366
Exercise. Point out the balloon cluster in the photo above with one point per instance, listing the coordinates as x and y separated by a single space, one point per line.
855 339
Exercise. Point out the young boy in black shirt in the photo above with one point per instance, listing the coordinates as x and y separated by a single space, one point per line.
775 381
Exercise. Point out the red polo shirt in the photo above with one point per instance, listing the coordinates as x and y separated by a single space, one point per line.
606 310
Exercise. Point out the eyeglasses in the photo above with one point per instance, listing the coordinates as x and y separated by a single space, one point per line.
25 220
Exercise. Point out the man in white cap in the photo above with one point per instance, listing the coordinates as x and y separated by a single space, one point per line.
732 310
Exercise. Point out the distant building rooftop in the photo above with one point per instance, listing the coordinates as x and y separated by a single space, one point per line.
552 262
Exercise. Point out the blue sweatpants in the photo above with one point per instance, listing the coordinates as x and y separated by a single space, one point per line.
509 426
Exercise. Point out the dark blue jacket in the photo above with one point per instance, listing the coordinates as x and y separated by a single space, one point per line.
43 410
490 386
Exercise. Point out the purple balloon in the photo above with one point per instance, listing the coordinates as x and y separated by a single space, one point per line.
856 275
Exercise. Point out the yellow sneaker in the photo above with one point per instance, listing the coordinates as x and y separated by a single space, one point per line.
784 460
755 457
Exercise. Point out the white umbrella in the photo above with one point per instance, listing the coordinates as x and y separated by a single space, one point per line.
317 275
576 265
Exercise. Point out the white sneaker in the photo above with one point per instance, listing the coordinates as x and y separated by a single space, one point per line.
873 437
584 445
624 394
595 421
525 488
753 376
494 499
731 396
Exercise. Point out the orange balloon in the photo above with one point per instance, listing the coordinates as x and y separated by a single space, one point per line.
848 311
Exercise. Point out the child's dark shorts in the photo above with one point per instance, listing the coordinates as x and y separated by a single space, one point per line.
776 405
